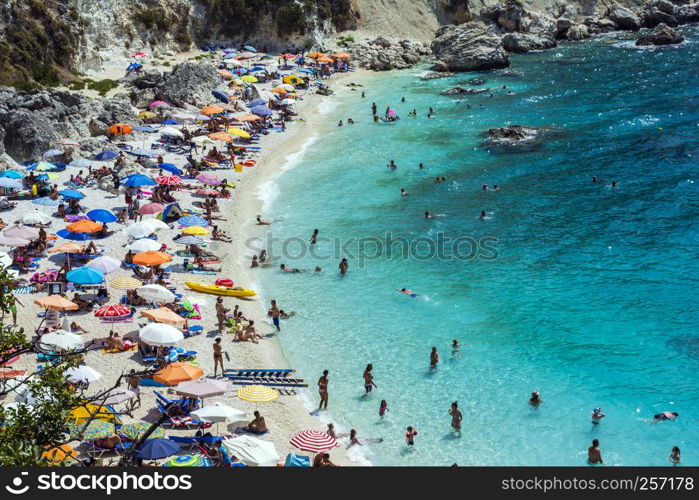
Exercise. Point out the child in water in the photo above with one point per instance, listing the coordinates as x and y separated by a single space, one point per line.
383 408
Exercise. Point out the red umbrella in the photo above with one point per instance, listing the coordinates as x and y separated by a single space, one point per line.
151 208
313 441
169 180
112 311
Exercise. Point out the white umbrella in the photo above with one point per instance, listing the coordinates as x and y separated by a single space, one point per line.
6 182
139 230
171 131
5 259
156 224
115 396
252 451
36 217
144 245
62 340
160 334
155 293
202 388
106 264
201 139
82 373
218 412
288 87
287 102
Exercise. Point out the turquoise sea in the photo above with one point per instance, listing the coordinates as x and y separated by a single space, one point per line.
580 291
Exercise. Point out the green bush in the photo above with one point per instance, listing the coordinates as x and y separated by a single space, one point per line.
79 85
291 19
102 86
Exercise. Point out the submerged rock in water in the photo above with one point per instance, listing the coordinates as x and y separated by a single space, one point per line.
513 134
661 35
433 76
470 46
526 42
461 91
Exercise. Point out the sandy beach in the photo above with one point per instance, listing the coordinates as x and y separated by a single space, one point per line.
286 415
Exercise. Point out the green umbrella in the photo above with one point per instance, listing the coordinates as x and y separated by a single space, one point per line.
135 430
187 461
97 429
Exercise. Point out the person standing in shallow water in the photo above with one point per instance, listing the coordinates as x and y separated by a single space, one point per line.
373 108
368 379
344 266
535 400
434 358
314 237
456 416
323 390
594 454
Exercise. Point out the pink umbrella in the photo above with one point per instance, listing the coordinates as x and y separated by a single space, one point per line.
313 441
151 209
159 104
210 179
169 180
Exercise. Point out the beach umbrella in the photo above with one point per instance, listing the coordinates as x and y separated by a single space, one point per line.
56 303
250 49
257 393
135 430
187 461
101 215
164 315
159 104
171 131
246 54
5 260
156 224
8 241
249 118
252 451
96 429
120 129
192 220
249 79
85 276
225 74
84 226
139 55
211 110
82 373
140 230
61 341
218 412
106 155
324 60
105 264
156 448
238 132
152 258
183 116
195 230
67 235
209 179
160 334
145 115
81 163
68 142
112 311
177 372
59 454
221 96
202 139
67 248
24 232
221 136
203 118
151 208
91 411
169 167
72 194
170 122
341 55
145 128
133 66
313 441
8 183
202 388
136 180
262 111
155 293
51 153
168 180
12 174
41 166
125 283
189 240
115 396
144 245
287 102
257 102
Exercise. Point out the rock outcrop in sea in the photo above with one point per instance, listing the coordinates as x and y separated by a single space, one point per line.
513 134
661 35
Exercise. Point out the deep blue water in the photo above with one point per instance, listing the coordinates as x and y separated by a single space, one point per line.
590 299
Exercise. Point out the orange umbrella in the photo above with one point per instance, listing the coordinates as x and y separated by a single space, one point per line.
84 226
120 129
57 303
221 136
152 258
341 55
315 54
211 110
67 248
279 90
248 118
178 372
225 74
324 59
59 454
164 315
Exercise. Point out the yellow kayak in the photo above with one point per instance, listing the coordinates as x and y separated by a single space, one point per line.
220 290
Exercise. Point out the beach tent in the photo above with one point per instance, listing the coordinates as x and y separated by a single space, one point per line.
171 213
292 80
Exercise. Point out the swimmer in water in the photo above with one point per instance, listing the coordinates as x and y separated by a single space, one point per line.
594 455
597 415
437 179
261 222
675 455
392 165
428 216
383 408
317 270
483 215
496 187
485 187
535 400
407 292
455 349
255 263
456 416
402 99
350 121
443 179
594 179
666 415
403 192
340 124
420 166
614 185
314 237
431 111
413 113
285 269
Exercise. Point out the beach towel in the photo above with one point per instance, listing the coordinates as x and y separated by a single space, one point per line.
106 350
242 430
24 290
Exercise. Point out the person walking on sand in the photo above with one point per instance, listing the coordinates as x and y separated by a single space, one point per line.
456 416
218 356
273 312
323 390
344 266
368 379
594 454
221 314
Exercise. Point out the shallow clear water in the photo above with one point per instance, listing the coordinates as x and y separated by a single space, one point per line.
590 299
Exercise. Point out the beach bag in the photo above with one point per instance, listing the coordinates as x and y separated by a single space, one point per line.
294 460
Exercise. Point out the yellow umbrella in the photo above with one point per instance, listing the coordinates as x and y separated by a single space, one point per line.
125 283
147 114
239 132
164 315
86 412
195 230
257 393
249 79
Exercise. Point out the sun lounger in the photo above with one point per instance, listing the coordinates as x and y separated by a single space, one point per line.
254 372
178 421
268 381
97 451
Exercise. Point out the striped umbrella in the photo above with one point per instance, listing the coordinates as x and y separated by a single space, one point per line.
189 240
257 393
112 311
168 180
125 283
313 441
188 461
135 430
97 429
192 220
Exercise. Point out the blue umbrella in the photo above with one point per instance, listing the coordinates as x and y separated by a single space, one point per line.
220 96
43 164
251 49
81 163
138 180
12 174
229 56
85 276
257 68
230 51
8 183
192 220
46 202
145 128
67 235
261 111
72 193
156 448
43 177
304 70
101 215
257 102
240 71
170 168
171 122
106 155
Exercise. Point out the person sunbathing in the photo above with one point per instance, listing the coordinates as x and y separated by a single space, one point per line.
257 425
219 235
76 328
249 333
